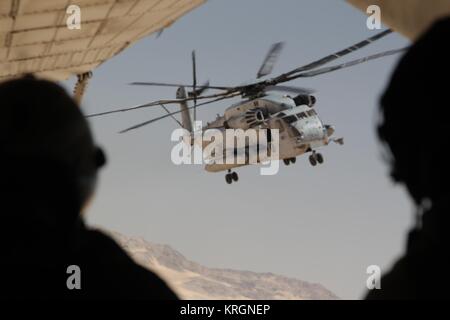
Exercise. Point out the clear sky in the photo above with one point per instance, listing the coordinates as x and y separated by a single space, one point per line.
324 224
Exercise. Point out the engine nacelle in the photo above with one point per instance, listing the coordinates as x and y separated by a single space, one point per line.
251 118
303 99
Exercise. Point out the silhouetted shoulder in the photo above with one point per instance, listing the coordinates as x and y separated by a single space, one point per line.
111 273
398 284
420 164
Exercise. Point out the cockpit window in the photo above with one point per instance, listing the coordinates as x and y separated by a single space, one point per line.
290 119
311 112
301 115
306 114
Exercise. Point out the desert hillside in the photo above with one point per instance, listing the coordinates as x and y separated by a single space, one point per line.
194 281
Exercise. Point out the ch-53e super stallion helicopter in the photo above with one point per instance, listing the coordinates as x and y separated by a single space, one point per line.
300 128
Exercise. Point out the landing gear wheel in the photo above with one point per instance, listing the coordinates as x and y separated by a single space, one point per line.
313 160
231 176
319 158
286 161
293 160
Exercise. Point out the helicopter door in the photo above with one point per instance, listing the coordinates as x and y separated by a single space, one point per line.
292 131
278 124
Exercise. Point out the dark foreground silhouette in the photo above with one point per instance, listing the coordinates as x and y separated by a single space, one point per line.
48 169
415 128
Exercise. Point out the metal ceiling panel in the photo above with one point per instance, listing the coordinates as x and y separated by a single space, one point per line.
34 37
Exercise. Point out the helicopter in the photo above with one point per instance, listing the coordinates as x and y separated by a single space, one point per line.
265 105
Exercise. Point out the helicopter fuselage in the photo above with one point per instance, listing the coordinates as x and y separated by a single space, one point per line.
299 126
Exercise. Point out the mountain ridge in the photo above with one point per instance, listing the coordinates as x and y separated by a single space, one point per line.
191 280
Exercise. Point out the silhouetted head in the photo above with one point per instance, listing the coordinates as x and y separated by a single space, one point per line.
47 153
415 116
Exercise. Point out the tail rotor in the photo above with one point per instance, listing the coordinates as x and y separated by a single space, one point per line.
196 91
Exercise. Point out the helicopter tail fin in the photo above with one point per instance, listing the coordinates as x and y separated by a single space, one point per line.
185 116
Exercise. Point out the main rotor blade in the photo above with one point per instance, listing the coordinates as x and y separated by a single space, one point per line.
338 54
291 89
194 75
270 60
160 84
352 63
139 125
156 103
194 84
175 119
294 74
199 90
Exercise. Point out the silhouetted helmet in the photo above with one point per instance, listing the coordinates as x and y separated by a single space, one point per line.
415 116
41 126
